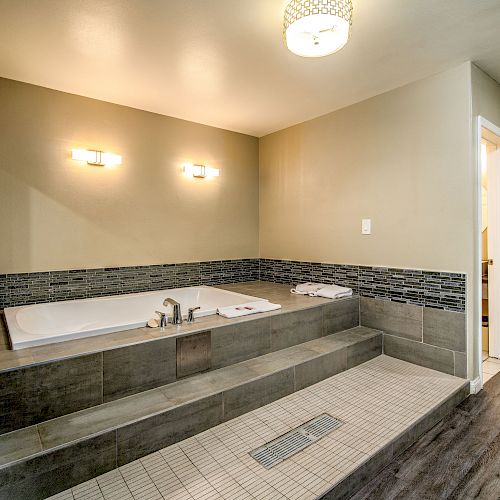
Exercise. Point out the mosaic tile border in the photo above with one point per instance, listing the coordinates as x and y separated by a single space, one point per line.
439 290
425 288
30 288
291 272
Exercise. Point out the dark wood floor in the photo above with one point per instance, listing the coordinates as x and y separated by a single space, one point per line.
457 459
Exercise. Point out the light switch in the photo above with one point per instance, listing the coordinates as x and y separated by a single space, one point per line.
366 226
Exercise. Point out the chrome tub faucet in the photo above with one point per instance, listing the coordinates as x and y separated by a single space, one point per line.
176 310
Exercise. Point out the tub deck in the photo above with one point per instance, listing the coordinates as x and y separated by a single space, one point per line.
48 323
273 292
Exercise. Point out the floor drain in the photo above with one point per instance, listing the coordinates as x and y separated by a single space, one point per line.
294 441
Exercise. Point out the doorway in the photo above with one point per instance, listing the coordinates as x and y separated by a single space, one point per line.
490 251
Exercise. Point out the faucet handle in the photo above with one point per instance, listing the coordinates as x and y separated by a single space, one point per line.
191 311
163 319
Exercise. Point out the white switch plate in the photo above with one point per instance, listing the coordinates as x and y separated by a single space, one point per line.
366 226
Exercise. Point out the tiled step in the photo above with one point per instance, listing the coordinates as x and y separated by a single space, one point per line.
45 382
43 459
383 405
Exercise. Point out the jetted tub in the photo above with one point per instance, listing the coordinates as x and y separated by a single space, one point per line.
40 324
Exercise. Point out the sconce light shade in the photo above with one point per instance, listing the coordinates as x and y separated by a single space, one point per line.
200 171
99 158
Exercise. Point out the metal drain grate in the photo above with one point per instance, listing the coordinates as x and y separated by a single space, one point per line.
294 441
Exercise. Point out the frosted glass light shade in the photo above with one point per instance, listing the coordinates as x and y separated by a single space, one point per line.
99 158
317 28
200 171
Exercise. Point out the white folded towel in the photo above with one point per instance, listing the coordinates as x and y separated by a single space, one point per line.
307 288
332 292
322 290
248 308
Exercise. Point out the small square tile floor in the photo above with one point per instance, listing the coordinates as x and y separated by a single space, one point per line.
376 401
491 366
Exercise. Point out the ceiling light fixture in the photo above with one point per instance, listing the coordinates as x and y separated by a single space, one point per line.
317 28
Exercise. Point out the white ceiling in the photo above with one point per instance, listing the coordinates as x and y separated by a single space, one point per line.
223 62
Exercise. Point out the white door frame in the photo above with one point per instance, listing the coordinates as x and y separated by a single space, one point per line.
493 210
478 316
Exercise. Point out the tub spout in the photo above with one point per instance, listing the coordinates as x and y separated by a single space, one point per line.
176 310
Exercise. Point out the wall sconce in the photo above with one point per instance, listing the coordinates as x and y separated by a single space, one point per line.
200 171
98 158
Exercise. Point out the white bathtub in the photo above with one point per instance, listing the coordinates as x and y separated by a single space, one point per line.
40 324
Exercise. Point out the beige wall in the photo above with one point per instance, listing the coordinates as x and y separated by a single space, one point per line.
405 159
485 94
56 214
401 158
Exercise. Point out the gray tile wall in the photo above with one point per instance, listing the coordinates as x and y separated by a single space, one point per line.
429 337
403 320
424 288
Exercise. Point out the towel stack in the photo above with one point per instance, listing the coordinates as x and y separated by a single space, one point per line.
322 290
248 308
